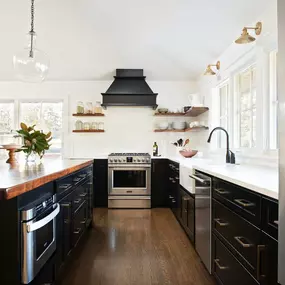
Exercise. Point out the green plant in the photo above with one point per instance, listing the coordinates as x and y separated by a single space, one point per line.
34 141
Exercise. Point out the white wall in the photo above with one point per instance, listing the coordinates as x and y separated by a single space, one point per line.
127 128
234 58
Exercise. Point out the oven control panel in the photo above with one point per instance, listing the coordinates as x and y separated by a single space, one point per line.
129 159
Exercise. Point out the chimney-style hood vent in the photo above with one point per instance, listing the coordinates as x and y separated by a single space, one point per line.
129 89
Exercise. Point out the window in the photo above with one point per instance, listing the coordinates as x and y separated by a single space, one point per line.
245 108
273 101
6 116
224 110
47 116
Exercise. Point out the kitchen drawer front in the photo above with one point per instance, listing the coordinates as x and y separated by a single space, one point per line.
80 195
240 200
243 236
64 186
270 217
226 268
79 223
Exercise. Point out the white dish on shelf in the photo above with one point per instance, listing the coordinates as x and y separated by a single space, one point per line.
163 125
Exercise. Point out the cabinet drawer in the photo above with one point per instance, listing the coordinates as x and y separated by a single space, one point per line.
242 236
240 200
79 223
80 195
226 268
270 217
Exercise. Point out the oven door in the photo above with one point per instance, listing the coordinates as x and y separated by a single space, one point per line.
38 242
129 180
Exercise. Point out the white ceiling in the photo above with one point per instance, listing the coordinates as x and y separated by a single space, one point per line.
89 39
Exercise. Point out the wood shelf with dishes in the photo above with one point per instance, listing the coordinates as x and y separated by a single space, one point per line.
181 131
192 112
88 131
89 115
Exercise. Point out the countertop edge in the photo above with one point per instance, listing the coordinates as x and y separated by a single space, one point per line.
12 192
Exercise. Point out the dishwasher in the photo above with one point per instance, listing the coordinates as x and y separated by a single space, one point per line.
202 188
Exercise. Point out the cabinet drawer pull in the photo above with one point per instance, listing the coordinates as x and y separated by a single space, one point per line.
170 197
244 202
221 223
245 245
217 261
276 223
173 201
77 231
177 178
65 205
83 222
260 249
185 210
77 201
83 195
186 199
221 191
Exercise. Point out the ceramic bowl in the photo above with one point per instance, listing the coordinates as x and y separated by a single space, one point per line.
179 125
163 125
188 153
162 110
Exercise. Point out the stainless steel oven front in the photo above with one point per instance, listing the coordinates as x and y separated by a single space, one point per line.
126 179
38 237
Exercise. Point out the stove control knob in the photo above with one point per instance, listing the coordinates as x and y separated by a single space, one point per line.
143 160
111 160
134 160
138 160
115 160
119 160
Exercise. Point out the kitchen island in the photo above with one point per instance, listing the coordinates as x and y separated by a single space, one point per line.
45 210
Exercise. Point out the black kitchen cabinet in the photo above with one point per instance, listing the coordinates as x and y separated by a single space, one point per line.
100 183
159 180
174 189
245 232
187 210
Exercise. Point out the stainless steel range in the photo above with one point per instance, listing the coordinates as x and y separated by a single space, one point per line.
129 178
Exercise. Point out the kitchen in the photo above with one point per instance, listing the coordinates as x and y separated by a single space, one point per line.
114 200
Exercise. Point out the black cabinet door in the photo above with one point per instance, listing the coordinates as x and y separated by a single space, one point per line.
159 181
100 182
267 261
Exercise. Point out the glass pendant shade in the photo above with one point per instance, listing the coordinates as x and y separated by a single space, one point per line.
31 65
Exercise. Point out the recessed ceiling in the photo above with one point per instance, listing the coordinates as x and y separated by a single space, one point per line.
89 39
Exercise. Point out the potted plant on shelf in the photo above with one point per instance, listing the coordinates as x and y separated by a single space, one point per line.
34 142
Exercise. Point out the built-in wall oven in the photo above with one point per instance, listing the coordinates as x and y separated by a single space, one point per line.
38 223
129 180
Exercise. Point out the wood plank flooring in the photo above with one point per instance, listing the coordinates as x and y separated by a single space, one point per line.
137 247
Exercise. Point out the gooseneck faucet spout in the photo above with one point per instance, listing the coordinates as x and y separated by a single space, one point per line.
230 156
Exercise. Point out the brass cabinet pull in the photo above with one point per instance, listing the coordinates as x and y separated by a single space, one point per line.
221 191
245 245
244 202
260 249
220 223
217 261
77 231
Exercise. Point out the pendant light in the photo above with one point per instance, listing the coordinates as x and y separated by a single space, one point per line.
31 64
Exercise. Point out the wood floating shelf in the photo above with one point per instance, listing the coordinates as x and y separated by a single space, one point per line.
193 112
182 131
88 131
88 115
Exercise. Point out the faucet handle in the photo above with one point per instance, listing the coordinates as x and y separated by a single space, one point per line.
232 158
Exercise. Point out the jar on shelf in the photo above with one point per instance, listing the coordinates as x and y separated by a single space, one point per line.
94 126
101 126
78 125
89 108
98 108
86 126
80 107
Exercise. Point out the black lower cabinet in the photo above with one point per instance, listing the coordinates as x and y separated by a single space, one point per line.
100 181
268 256
226 268
159 194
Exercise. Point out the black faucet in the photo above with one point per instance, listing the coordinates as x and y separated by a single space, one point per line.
230 156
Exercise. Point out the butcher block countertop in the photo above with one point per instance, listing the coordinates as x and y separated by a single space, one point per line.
22 178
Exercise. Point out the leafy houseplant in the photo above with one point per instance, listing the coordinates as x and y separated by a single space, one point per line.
35 142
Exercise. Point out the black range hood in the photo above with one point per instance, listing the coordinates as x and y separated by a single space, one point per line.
129 89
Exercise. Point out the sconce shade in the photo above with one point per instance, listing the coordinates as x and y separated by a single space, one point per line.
245 38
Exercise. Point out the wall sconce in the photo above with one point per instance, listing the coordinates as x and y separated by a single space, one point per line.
245 37
209 70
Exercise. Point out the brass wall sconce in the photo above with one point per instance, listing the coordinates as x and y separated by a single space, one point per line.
209 70
245 37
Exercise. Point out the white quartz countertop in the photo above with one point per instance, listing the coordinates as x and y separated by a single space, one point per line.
260 179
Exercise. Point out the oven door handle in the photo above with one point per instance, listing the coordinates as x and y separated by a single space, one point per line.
39 224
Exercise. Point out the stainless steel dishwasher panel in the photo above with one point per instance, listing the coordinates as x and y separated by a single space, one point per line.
203 215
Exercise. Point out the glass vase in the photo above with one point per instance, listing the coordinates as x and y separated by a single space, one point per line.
31 157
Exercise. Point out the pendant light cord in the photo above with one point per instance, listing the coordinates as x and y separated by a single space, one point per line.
32 32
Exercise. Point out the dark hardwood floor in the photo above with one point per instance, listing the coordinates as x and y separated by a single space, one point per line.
138 247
